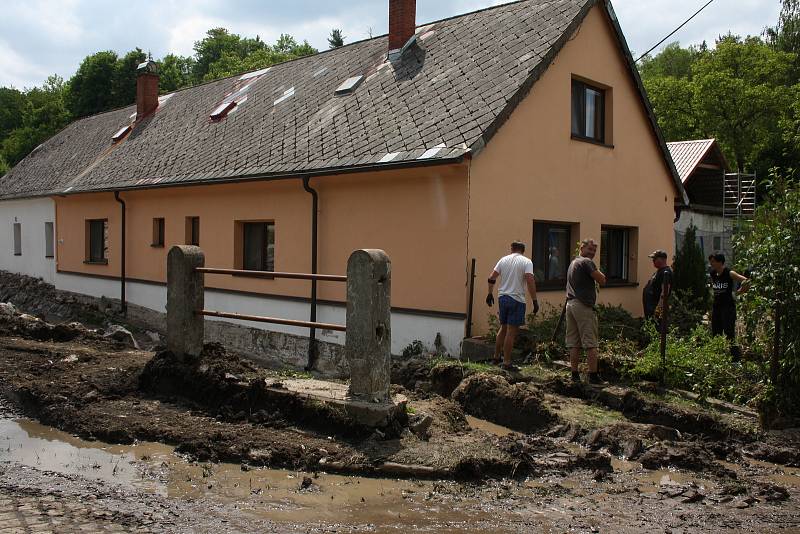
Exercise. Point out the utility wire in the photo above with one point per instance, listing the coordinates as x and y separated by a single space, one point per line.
674 31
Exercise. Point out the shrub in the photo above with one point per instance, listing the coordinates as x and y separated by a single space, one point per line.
700 363
690 271
685 312
415 348
616 323
769 248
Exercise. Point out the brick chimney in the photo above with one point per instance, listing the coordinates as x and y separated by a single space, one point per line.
146 88
402 22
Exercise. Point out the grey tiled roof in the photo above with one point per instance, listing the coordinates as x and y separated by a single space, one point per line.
454 87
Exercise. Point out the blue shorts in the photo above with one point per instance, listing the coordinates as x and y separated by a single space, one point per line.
512 312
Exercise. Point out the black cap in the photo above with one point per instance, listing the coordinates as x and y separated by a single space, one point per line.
658 254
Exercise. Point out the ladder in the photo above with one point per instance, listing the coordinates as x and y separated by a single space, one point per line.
738 206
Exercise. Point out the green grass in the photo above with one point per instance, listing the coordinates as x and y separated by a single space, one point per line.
587 415
478 367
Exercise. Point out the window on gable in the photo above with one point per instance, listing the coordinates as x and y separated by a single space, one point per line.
17 239
588 112
193 231
615 253
258 246
551 252
49 240
158 232
96 240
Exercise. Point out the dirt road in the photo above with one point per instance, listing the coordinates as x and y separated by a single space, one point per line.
118 439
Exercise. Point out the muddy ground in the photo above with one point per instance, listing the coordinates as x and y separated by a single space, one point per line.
543 452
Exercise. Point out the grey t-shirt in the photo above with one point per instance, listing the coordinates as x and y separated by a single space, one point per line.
580 284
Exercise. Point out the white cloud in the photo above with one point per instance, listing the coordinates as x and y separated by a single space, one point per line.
17 71
53 36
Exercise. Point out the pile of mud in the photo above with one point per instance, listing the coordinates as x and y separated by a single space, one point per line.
18 324
43 300
518 406
234 390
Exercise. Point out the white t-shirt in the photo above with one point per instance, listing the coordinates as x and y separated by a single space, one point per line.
512 269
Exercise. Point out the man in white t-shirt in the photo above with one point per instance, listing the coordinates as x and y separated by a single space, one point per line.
516 273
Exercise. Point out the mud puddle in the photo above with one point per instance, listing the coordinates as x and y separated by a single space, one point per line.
274 494
488 426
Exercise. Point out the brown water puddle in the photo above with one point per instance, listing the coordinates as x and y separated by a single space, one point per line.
487 426
268 493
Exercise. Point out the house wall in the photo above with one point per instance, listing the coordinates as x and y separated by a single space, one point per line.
708 226
418 216
533 170
32 215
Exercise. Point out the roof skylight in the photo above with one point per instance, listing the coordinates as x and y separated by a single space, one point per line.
253 74
286 94
121 133
222 110
388 157
349 85
431 152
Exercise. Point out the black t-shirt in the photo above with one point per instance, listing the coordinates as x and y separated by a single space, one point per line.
722 286
652 291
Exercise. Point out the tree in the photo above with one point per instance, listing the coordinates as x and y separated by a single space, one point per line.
124 81
217 43
690 269
175 72
768 248
92 86
12 102
231 62
690 284
44 113
672 61
785 35
739 92
336 39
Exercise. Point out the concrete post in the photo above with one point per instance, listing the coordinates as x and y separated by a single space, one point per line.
184 298
369 334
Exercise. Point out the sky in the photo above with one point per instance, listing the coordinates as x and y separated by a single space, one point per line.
43 37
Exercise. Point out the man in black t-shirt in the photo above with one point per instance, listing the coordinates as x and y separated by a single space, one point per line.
723 309
661 281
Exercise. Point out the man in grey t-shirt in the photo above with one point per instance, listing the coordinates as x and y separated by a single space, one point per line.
581 315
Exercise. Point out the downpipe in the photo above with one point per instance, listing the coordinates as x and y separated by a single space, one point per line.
123 302
313 353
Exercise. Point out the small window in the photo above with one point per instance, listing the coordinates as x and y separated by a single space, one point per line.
258 239
97 240
717 243
193 231
551 253
588 112
158 232
49 243
17 239
615 253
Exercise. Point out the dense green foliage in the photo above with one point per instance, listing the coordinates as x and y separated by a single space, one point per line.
769 250
742 92
690 284
336 39
700 363
106 81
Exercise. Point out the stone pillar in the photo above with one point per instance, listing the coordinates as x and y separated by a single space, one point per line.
184 298
368 340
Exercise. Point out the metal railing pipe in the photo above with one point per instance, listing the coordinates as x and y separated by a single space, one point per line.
274 320
270 274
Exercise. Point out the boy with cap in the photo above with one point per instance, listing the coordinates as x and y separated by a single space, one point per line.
660 282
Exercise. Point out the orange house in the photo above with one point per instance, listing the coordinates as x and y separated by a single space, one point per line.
439 144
